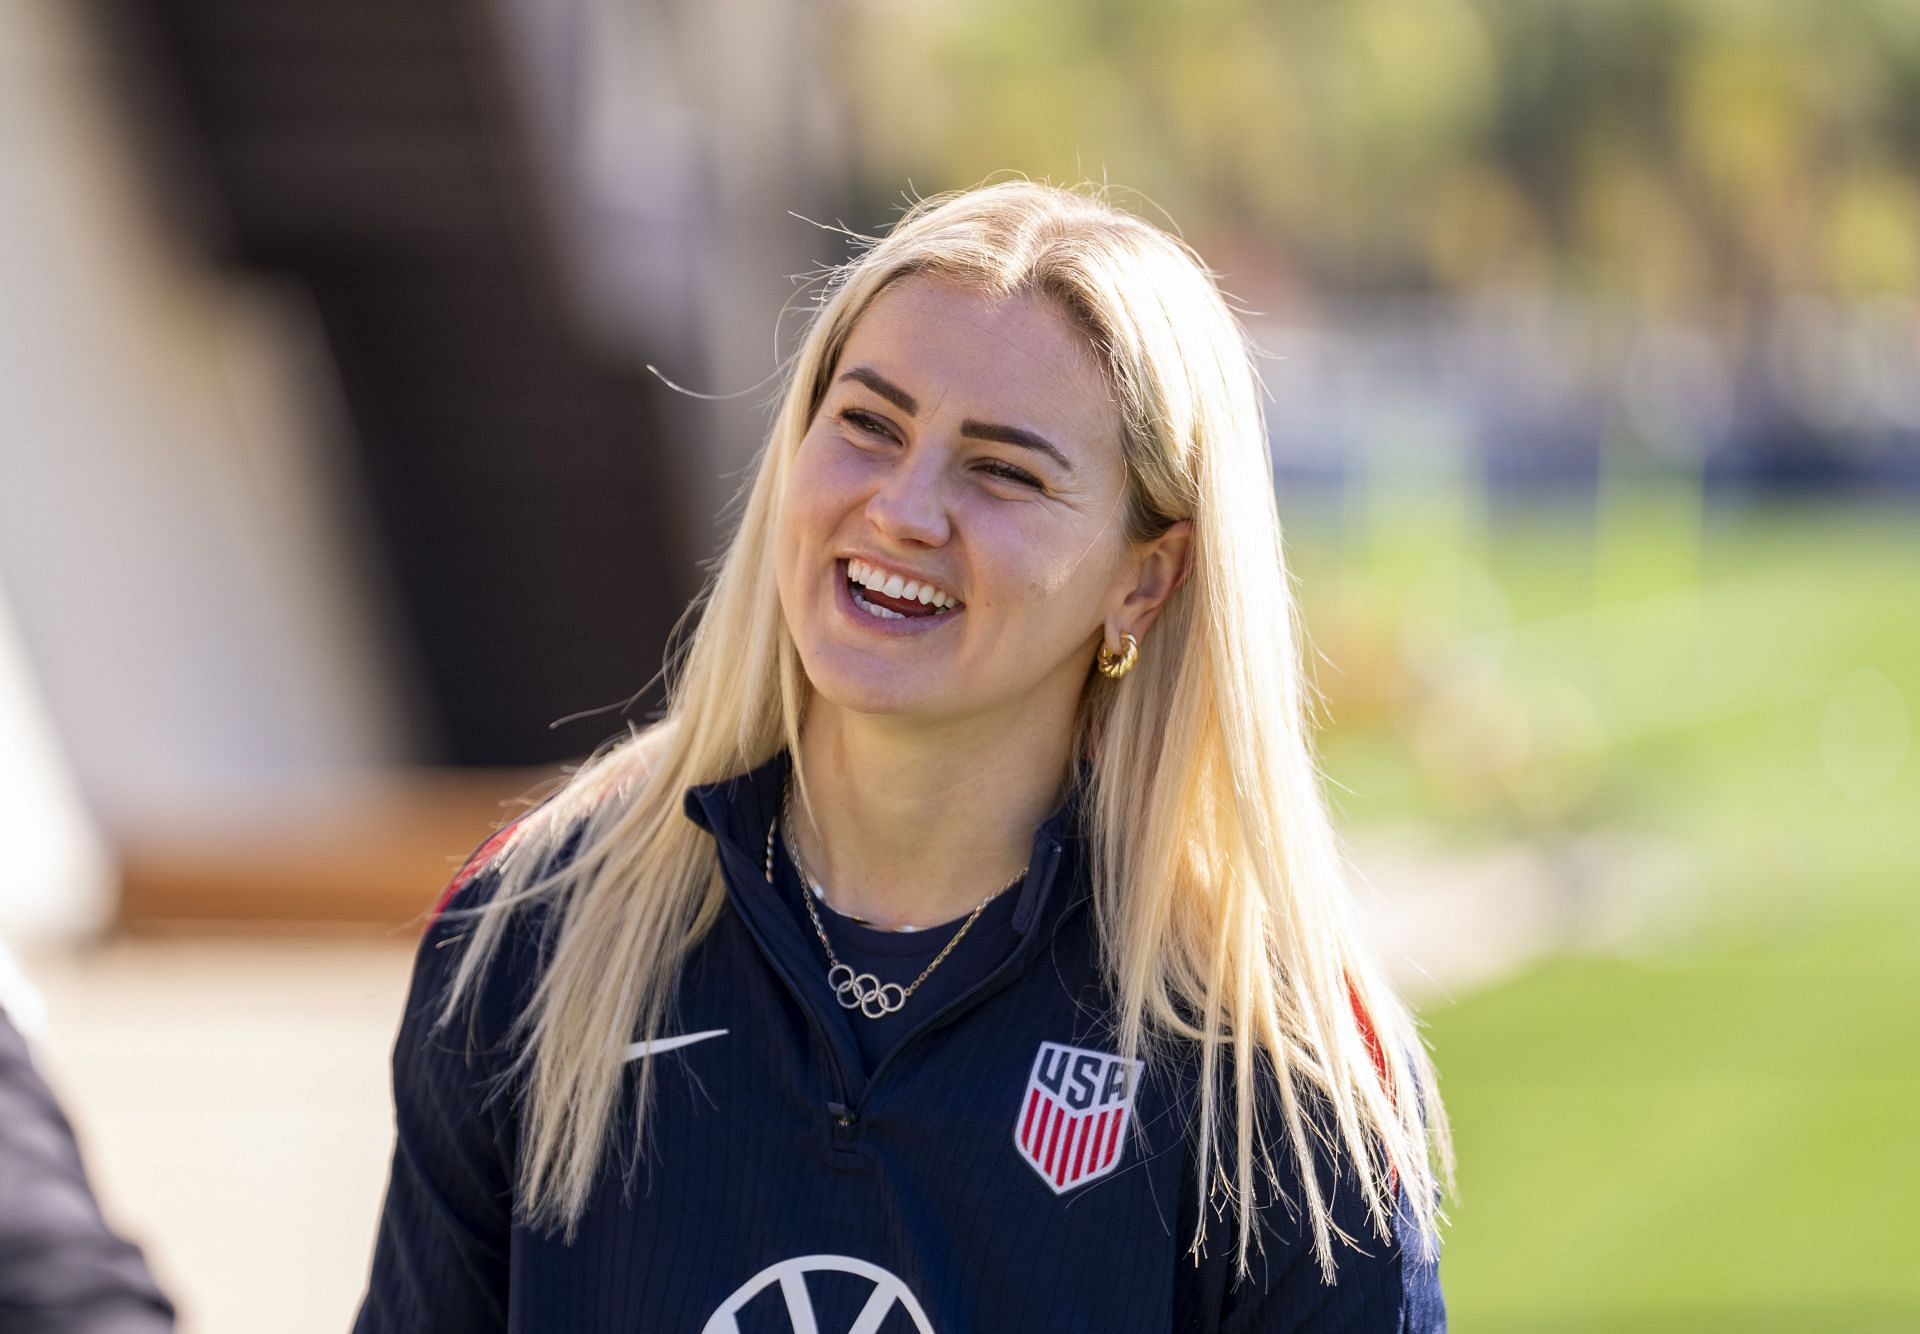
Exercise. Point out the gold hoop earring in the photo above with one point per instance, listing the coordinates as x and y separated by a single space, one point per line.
1114 667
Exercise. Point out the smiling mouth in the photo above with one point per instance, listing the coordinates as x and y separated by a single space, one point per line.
878 603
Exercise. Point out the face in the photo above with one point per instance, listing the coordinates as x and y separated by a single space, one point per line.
970 447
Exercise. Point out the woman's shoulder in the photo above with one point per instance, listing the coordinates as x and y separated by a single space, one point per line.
1296 1144
1380 1279
486 938
492 928
511 869
506 862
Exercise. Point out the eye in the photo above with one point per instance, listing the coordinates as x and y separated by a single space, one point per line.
866 423
997 468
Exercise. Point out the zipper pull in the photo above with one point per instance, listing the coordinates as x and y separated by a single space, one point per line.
843 1138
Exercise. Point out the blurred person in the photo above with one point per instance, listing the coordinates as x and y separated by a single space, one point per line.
62 1269
966 948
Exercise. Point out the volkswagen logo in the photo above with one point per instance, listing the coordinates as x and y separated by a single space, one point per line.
790 1276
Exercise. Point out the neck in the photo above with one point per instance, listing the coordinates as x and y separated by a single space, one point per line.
914 826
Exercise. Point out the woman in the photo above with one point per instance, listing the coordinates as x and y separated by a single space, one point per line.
966 948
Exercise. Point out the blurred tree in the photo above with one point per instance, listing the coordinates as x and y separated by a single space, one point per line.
1713 153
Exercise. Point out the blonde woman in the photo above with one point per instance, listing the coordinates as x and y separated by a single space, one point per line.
966 949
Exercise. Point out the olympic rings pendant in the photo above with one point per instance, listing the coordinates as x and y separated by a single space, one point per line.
865 992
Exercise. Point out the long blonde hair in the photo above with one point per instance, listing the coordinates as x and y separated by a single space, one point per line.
1218 891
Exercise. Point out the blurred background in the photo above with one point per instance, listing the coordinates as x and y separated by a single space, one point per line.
339 510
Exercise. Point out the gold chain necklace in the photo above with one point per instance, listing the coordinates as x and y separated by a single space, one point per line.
861 991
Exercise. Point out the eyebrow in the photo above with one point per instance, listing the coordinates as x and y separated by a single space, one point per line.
978 430
1014 435
884 387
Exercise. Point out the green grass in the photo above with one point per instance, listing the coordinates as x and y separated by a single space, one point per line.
1721 1129
1692 1142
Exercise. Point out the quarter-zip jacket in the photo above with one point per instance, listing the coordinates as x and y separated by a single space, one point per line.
1000 1171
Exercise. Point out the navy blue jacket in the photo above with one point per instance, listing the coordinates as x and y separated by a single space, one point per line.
1000 1172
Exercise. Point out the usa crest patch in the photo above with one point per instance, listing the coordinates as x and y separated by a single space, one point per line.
1073 1119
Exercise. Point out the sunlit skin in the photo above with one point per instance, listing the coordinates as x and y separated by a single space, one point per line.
935 747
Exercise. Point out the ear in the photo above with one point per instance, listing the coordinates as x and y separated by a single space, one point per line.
1159 566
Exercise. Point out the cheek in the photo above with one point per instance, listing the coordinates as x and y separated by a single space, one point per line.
826 480
1057 575
805 498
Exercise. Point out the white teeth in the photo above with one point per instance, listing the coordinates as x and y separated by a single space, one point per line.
875 609
898 586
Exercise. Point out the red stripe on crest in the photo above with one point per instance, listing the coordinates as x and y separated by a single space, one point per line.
1026 1130
1053 1141
1077 1129
1113 1137
1092 1137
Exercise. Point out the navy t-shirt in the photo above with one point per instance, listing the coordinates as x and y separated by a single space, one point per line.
898 956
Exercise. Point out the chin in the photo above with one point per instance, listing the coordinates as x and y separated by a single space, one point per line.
875 695
855 683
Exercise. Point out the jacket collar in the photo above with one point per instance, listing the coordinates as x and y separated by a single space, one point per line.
739 810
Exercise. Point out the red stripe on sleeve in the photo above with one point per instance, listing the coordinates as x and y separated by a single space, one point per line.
474 865
1371 1036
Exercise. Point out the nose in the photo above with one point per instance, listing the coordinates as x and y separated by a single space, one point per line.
909 505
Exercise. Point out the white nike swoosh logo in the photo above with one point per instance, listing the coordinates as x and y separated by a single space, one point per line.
636 1050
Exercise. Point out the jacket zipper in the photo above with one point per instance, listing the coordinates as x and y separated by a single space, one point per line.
975 995
841 1083
847 1110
